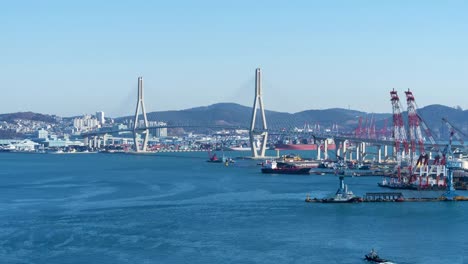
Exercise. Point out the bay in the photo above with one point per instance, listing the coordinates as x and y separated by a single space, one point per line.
178 208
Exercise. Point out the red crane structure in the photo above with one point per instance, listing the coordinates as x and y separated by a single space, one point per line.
383 130
414 129
366 130
372 130
399 131
420 174
358 130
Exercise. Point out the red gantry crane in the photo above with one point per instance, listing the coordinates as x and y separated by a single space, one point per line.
383 131
358 131
420 172
415 134
399 131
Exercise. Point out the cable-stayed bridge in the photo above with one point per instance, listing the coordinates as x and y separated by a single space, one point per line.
258 128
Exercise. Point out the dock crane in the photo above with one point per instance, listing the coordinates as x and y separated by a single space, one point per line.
435 147
454 131
399 131
452 165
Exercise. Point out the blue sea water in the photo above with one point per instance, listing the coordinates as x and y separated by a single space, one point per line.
177 208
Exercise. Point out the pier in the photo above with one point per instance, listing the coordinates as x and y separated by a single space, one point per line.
343 195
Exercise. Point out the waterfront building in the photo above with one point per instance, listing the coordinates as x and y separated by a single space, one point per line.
61 143
25 145
42 134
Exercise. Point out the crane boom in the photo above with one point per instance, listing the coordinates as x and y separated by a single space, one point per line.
454 132
428 133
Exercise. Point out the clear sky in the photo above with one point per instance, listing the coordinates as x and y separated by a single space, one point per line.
74 57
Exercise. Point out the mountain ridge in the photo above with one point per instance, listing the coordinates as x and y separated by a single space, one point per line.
236 114
233 114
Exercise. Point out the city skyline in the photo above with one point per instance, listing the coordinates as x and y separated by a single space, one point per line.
73 58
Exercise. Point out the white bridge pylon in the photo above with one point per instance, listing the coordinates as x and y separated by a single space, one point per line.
258 101
144 131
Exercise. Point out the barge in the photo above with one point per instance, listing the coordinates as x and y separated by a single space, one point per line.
393 197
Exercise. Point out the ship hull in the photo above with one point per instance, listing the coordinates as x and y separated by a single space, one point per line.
286 171
351 200
375 259
215 161
239 149
412 187
301 146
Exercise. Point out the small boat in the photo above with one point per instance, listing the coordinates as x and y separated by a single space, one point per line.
214 158
228 160
374 257
240 148
271 166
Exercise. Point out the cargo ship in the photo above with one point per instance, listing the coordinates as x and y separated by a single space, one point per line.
283 168
292 146
297 161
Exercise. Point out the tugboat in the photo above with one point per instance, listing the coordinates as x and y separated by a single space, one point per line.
373 257
283 168
343 195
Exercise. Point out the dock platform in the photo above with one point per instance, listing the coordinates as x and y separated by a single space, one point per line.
379 197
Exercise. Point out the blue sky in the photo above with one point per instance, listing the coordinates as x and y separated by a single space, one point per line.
74 57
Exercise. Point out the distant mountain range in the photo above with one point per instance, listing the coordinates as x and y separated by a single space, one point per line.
231 114
28 116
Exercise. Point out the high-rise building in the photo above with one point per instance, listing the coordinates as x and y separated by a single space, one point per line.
100 117
158 132
87 122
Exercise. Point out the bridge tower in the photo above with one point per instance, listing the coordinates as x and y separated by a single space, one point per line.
258 101
140 131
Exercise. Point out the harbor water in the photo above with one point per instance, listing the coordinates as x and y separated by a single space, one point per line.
178 208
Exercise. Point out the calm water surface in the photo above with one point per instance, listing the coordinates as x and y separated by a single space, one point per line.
177 208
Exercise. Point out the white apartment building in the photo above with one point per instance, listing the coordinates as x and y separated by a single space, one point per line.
85 123
100 117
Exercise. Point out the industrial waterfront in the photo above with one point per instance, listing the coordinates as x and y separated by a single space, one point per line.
178 208
234 132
